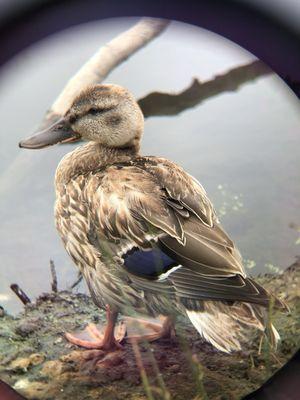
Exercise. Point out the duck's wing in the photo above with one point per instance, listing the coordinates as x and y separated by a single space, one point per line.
168 229
211 265
208 249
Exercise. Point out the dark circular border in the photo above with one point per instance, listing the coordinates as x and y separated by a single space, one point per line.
23 22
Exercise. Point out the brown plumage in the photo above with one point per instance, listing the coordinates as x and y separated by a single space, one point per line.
142 231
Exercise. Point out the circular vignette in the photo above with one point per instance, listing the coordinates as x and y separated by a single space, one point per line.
275 43
272 42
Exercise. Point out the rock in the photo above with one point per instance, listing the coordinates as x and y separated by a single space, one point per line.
20 364
23 363
27 327
34 390
21 384
73 357
53 369
36 358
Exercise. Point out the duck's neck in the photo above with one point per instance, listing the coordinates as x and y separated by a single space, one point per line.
89 157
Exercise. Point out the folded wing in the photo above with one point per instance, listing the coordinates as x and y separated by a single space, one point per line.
167 219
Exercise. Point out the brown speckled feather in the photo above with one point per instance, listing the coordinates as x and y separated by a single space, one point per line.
129 204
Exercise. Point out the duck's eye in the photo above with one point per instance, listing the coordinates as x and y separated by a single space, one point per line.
94 111
98 110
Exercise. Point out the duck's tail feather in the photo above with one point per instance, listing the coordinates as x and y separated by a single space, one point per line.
273 336
226 326
214 330
256 316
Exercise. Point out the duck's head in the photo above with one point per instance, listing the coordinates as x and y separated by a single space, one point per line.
105 114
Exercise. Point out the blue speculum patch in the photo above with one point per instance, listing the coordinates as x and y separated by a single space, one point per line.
150 263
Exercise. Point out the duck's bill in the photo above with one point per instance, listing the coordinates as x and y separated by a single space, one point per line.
59 132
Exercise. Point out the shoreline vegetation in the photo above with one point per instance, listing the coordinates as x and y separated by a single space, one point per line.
40 364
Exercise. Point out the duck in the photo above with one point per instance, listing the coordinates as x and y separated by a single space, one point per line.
143 232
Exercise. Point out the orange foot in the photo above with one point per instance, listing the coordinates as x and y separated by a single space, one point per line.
139 329
106 338
96 337
109 337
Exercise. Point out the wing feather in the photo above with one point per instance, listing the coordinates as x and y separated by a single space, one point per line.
128 203
154 198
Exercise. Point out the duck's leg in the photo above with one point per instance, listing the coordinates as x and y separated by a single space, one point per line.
139 329
108 338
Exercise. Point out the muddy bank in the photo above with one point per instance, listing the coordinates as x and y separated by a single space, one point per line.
38 362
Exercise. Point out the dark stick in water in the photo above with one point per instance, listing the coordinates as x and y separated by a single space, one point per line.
20 293
54 277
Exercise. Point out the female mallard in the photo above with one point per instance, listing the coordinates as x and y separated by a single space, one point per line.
142 231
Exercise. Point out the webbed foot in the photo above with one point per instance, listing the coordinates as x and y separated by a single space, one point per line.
96 337
139 329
